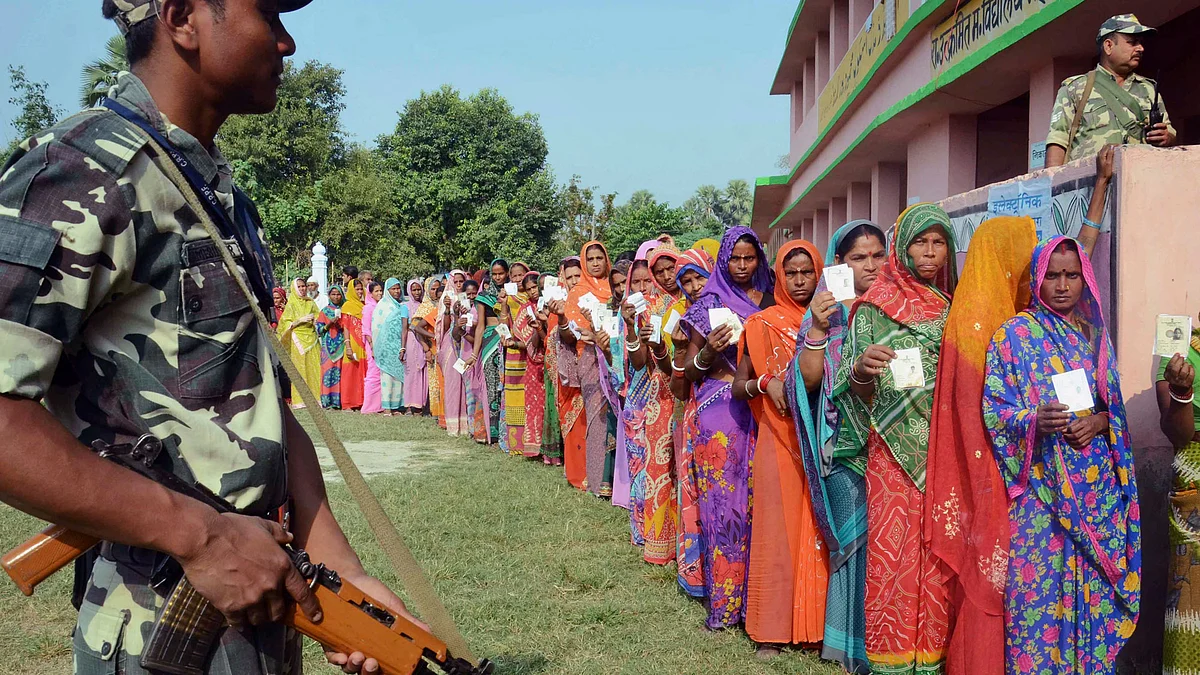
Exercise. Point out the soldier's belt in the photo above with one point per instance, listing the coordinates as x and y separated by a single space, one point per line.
189 626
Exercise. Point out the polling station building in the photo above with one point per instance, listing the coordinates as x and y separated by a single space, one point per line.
899 101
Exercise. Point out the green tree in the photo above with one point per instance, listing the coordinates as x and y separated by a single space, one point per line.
100 75
35 110
641 219
737 203
282 159
461 165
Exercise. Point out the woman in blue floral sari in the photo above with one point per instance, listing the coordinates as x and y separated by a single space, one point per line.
1074 572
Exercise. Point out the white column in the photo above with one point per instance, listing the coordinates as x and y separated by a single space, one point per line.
320 270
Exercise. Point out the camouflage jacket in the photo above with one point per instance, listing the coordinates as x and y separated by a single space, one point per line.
1097 128
117 312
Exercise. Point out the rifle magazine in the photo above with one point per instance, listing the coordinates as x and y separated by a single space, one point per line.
184 636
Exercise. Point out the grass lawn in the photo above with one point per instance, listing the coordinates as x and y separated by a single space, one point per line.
540 577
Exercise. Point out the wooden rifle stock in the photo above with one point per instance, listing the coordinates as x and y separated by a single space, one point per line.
44 554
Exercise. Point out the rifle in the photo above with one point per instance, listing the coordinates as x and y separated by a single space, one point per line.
189 626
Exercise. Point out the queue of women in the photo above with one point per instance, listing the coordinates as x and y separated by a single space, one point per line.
890 480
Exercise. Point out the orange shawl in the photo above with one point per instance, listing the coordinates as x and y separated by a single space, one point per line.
597 286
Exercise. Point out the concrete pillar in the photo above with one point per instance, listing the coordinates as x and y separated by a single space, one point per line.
858 201
839 32
1043 92
837 218
806 229
810 84
941 159
859 11
798 107
886 193
820 224
824 67
320 270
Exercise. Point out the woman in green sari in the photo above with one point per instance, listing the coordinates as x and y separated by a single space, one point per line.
1178 379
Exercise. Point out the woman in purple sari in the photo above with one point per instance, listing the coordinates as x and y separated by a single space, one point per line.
1074 567
723 430
416 355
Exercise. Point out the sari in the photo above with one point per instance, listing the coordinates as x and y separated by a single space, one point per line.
302 346
837 487
454 389
491 358
280 296
416 359
788 575
371 386
552 440
596 409
1074 571
333 349
966 521
428 312
572 422
722 438
1181 649
354 363
475 386
515 365
387 324
648 419
688 542
907 598
533 379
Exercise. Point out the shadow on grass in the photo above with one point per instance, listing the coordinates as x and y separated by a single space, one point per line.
521 664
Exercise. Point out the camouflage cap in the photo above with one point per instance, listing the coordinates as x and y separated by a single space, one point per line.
1124 23
132 12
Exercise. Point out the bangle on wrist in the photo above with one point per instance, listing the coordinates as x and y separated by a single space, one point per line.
634 346
815 346
855 380
746 386
696 362
1087 222
1180 400
677 368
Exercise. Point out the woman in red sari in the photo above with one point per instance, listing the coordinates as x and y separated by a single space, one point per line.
529 337
570 396
354 363
789 567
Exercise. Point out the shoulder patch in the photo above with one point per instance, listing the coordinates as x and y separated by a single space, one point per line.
105 137
26 243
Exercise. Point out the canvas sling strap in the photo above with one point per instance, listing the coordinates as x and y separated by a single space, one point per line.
408 571
1125 108
1079 106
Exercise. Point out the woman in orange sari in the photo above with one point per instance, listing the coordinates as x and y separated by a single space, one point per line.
354 363
570 398
789 568
593 286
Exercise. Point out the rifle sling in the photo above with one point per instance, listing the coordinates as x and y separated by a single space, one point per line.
1125 109
407 569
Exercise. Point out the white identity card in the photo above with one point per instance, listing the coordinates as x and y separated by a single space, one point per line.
1172 335
907 370
723 315
511 288
541 303
587 301
656 324
574 328
840 281
460 366
503 331
671 323
638 302
1072 390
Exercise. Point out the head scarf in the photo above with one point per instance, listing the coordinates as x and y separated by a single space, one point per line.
786 313
995 286
695 260
304 336
710 246
278 294
368 312
411 302
333 338
644 250
388 329
596 285
660 252
427 309
724 288
351 305
898 292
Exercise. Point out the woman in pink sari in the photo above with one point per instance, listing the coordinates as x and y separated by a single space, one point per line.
451 320
372 389
416 360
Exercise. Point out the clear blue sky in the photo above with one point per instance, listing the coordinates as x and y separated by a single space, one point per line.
664 95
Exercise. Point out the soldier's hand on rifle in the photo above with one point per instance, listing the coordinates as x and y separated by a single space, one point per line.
359 662
242 570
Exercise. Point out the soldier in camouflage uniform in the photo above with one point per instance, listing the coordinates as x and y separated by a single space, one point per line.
117 312
1117 110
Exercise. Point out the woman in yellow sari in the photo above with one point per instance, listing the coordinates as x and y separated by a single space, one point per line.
297 330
